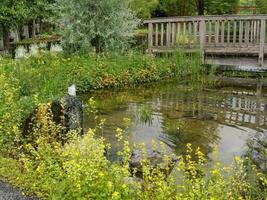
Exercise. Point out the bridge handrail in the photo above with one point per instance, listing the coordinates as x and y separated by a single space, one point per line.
205 18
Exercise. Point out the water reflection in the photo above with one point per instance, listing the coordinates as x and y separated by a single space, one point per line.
225 117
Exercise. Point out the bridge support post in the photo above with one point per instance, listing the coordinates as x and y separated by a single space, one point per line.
262 42
150 37
202 39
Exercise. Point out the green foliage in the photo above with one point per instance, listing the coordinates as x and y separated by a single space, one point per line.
262 5
13 12
144 8
177 7
218 7
48 75
105 24
145 115
10 113
79 169
39 9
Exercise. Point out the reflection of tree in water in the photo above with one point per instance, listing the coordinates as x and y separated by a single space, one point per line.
202 134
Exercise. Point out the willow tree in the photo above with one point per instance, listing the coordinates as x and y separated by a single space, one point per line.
105 24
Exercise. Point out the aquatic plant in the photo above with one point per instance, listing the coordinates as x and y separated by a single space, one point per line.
145 115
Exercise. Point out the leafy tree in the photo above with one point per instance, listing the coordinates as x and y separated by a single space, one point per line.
176 8
262 5
218 7
12 14
105 24
38 10
200 7
144 8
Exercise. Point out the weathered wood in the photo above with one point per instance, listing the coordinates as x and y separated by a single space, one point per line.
210 31
240 32
233 35
189 34
150 37
184 34
173 34
168 34
162 34
195 33
222 33
206 18
202 38
157 35
262 42
178 33
247 25
228 32
217 32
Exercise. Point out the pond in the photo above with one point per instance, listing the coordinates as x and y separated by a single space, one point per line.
222 118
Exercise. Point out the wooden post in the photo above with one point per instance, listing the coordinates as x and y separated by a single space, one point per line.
202 38
157 36
150 37
168 34
162 34
262 42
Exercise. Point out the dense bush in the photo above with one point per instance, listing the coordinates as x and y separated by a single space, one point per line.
49 75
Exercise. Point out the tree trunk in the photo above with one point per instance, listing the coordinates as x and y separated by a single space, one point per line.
98 45
201 7
6 36
20 32
33 29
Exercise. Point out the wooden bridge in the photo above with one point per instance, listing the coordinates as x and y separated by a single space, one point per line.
233 35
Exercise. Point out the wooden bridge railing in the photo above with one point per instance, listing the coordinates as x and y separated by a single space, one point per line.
236 34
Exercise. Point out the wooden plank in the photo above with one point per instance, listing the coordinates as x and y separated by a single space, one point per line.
157 35
217 32
189 34
150 37
258 32
251 31
173 34
195 33
168 35
210 31
234 35
262 41
162 34
178 33
202 38
255 32
184 34
228 32
222 33
206 18
240 32
247 25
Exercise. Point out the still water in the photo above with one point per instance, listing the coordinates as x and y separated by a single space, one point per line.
176 115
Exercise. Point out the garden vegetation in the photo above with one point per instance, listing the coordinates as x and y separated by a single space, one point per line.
78 169
96 35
